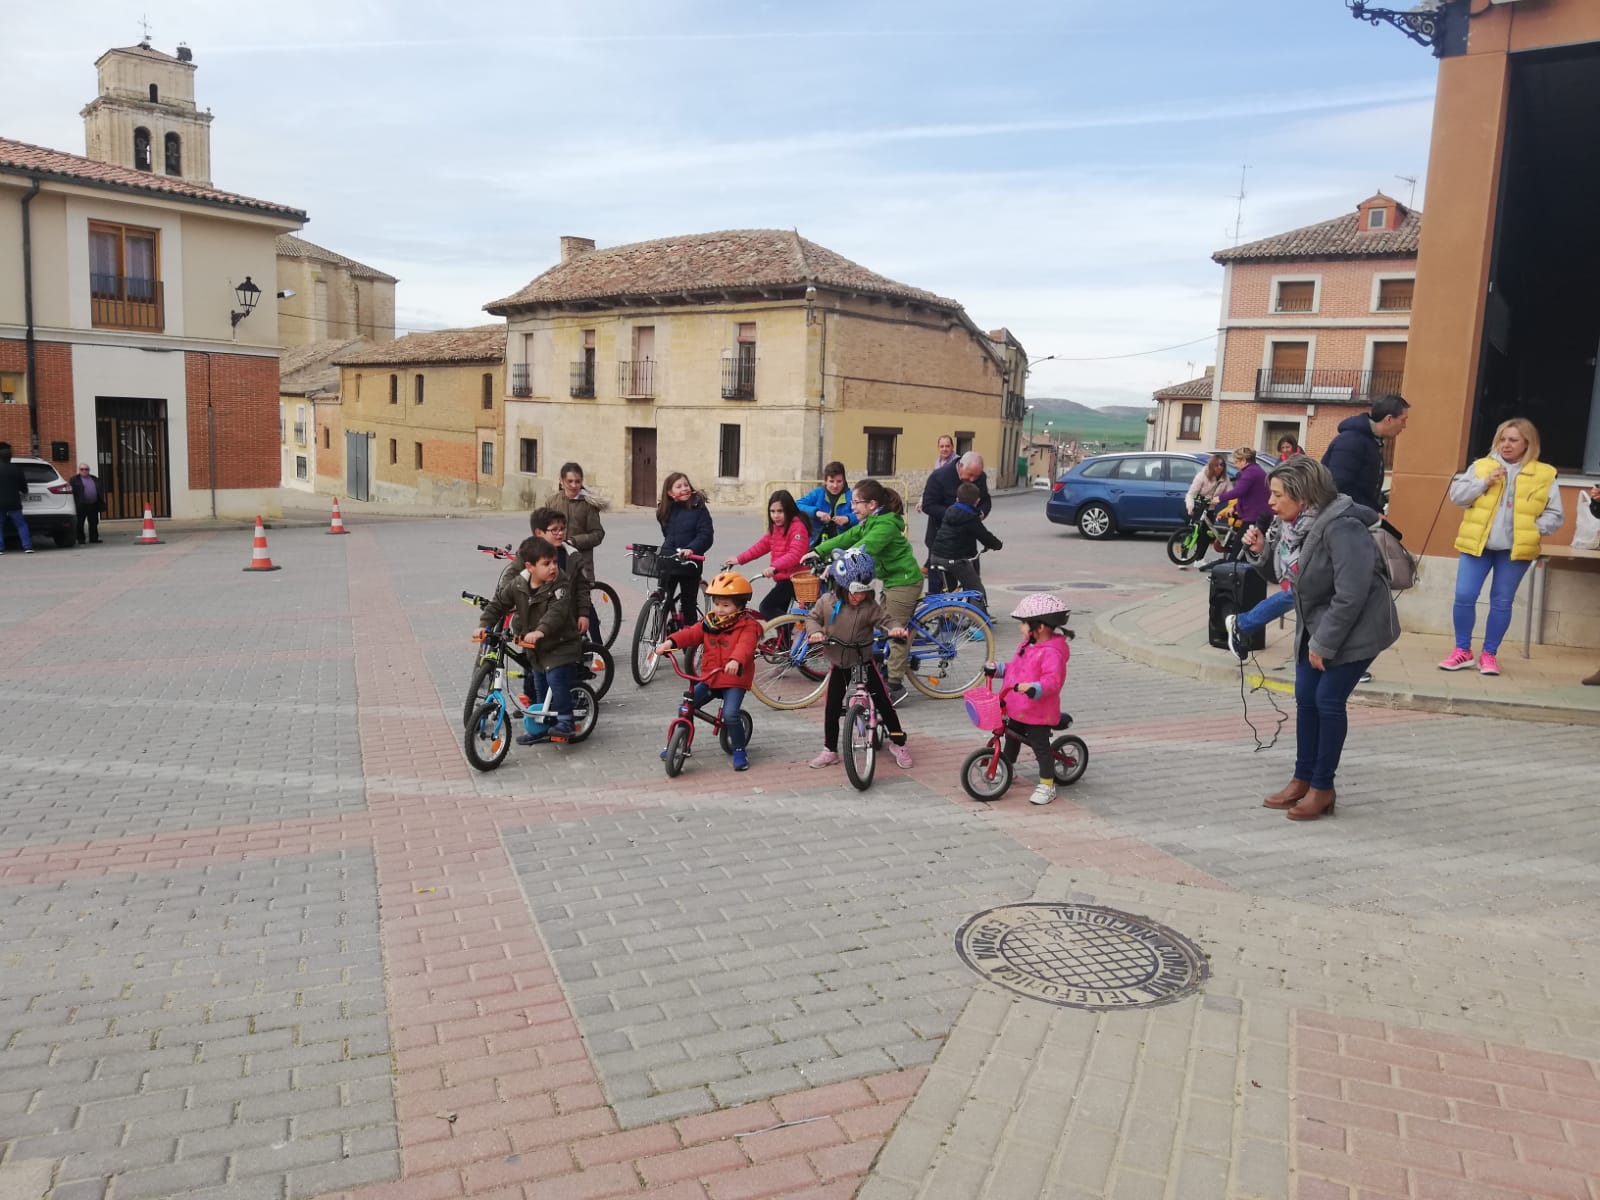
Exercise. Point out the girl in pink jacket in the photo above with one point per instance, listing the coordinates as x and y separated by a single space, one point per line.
787 539
1034 679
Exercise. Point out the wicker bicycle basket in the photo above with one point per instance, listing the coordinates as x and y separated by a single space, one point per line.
807 587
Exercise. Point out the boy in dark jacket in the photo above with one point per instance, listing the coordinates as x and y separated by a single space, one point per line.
954 551
544 624
551 525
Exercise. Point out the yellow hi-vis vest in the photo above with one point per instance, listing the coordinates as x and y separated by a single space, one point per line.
1533 485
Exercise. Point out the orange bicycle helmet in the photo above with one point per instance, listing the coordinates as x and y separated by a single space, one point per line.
729 583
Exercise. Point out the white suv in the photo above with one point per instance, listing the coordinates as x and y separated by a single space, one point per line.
48 505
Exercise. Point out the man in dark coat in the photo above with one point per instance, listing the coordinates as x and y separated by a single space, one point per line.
13 486
90 500
1355 456
939 493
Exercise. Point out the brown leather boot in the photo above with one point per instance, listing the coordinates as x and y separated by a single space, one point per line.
1593 680
1318 801
1290 794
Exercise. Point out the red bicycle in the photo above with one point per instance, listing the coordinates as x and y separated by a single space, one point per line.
680 734
986 775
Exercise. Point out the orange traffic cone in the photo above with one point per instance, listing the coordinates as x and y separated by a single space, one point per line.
259 559
147 536
338 521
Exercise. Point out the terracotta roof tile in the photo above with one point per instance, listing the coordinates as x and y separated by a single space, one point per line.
701 262
305 370
19 158
290 246
1194 389
481 343
1341 237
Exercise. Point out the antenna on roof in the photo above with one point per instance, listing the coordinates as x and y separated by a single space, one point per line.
1412 180
1238 220
144 24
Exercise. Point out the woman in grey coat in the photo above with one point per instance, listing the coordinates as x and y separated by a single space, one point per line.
1346 619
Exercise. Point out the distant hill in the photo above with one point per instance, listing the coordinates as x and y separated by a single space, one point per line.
1115 427
1127 410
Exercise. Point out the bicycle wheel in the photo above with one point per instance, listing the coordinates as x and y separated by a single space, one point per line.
482 685
1184 546
949 645
607 612
585 711
488 737
985 775
646 637
789 672
725 734
861 749
601 667
677 750
1071 759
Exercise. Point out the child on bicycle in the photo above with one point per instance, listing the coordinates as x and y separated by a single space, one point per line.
849 613
826 507
727 665
1034 679
787 539
544 624
551 525
954 552
685 525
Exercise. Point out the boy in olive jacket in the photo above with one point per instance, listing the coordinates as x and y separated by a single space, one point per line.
544 624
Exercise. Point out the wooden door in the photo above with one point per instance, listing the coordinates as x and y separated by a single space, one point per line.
132 456
642 477
1388 367
1289 363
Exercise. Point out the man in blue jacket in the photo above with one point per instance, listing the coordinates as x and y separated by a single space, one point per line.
1355 456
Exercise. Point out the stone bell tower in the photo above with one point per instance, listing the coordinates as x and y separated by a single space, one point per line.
145 117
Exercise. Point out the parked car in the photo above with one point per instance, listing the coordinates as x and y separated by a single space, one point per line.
48 505
1124 493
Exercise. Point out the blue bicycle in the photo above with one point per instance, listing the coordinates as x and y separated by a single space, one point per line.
494 722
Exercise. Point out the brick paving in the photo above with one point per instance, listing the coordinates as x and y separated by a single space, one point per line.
265 933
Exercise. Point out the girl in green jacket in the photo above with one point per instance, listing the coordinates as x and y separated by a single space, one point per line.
882 534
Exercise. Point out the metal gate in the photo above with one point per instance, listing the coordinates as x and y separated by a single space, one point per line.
356 475
132 456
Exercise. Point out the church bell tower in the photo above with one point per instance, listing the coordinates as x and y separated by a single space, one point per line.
145 116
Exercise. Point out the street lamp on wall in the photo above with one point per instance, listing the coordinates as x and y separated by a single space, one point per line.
249 294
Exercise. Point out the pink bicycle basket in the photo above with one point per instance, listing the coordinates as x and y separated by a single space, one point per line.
983 707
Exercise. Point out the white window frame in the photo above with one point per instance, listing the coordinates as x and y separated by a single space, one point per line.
1368 353
1378 280
1316 295
1265 419
1379 210
1272 340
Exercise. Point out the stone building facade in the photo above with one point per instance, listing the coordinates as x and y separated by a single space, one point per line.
334 297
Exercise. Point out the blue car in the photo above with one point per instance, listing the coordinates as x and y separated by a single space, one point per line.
1125 493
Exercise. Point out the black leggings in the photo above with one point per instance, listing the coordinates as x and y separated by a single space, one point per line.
1038 739
686 586
833 705
776 602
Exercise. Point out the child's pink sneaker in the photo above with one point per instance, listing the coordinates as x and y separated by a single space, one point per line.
901 755
826 759
1488 664
1457 659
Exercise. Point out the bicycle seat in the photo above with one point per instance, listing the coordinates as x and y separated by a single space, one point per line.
1064 723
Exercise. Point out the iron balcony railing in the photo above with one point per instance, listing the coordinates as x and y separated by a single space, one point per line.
1293 303
300 433
126 303
583 380
521 385
1395 299
637 379
738 379
1333 385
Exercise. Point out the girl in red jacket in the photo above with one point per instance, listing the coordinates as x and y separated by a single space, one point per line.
1034 679
787 539
727 665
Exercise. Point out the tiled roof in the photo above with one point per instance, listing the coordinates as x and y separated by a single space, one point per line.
702 262
145 52
290 246
304 370
481 343
19 158
1341 237
1194 389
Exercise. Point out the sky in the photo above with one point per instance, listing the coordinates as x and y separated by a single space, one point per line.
1061 168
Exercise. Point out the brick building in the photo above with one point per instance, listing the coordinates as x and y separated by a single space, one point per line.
121 336
747 359
419 420
1314 324
1179 422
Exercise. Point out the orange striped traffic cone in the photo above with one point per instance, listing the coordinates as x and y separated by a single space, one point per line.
338 521
259 559
147 536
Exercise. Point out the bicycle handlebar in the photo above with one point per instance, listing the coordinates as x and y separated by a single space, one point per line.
497 551
689 554
473 598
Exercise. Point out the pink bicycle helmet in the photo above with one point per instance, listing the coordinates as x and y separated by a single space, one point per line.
1045 607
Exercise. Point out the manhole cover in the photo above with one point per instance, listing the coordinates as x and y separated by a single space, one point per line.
1085 583
1081 955
1031 587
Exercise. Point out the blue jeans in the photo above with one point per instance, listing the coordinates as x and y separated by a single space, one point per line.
1263 614
21 522
557 680
732 702
1321 721
1471 571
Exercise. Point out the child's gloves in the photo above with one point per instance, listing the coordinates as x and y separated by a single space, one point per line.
1031 690
477 635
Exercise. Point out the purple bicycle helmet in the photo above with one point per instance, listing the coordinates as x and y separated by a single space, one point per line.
1045 607
853 570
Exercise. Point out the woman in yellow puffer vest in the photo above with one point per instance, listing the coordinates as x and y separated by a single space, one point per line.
1512 501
